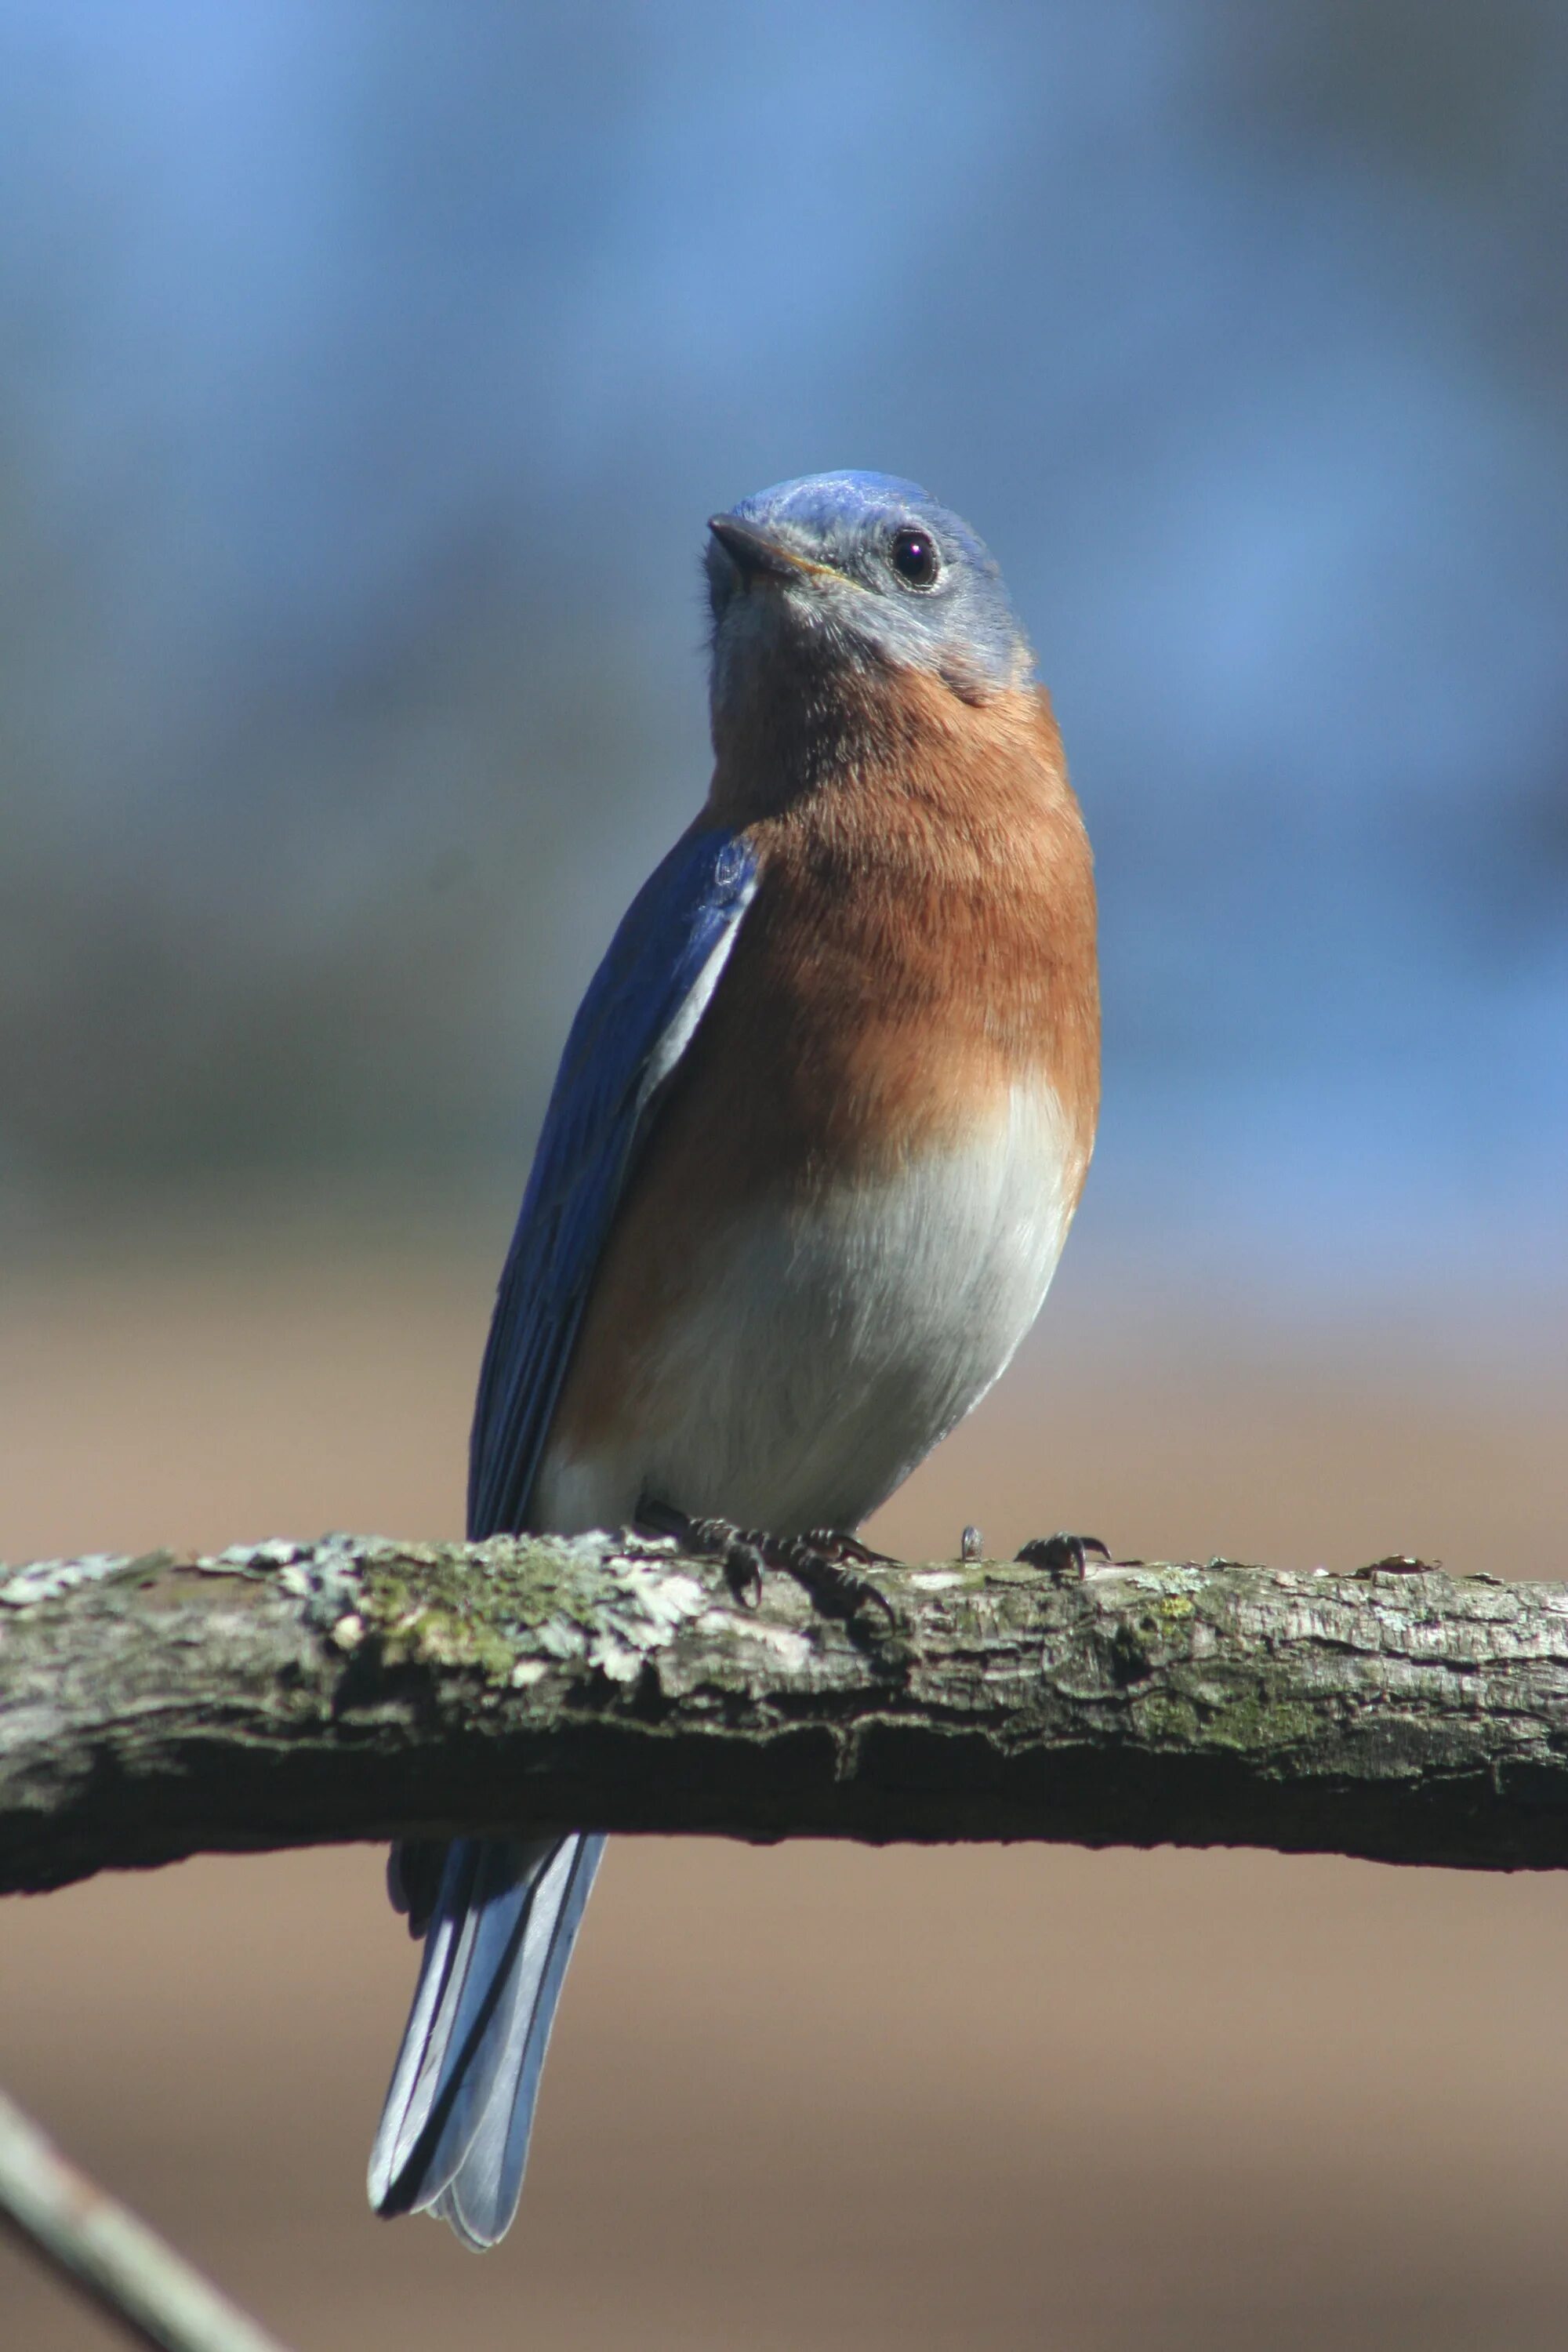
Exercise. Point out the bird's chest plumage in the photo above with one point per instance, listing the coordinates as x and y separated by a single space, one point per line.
832 1336
854 1197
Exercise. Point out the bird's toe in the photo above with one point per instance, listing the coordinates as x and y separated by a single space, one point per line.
1063 1556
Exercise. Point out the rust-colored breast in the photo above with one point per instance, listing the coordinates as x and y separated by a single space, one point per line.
923 942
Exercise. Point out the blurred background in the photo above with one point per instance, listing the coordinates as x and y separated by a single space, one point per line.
368 371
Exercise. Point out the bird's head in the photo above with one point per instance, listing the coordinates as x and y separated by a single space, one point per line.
853 573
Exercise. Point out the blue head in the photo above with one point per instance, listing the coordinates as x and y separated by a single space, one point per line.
862 571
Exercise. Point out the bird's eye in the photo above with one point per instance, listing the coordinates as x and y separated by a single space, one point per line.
914 558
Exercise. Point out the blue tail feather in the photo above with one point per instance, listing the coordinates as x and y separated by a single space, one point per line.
454 2130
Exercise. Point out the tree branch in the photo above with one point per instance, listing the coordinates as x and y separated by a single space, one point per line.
302 1694
98 2247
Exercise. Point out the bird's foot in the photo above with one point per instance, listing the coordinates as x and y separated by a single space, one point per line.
1062 1555
827 1562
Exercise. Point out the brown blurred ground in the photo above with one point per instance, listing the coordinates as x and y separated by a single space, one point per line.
809 2096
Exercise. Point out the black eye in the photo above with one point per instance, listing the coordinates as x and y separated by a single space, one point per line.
914 558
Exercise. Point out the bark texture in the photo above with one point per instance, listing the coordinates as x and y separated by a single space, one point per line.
292 1694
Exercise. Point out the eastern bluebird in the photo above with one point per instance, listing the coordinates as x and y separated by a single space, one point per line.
819 1131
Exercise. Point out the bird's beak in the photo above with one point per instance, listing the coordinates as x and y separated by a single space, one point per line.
755 556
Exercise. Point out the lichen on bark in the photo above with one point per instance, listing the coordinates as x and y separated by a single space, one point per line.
294 1692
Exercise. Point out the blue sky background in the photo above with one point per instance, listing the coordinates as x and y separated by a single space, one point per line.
370 368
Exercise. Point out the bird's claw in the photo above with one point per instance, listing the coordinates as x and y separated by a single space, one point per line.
826 1562
1062 1555
745 1564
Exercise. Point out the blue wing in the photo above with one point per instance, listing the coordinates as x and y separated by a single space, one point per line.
455 2129
639 1014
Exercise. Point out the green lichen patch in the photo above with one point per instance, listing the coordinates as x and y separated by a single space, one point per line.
515 1602
1174 1609
1256 1721
1163 1718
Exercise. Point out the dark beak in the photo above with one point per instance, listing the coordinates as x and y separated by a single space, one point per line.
754 556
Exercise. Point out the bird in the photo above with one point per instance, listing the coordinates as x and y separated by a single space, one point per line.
820 1127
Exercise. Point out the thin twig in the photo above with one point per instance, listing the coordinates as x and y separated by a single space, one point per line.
124 2267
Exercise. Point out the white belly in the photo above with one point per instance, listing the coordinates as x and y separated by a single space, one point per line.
825 1350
